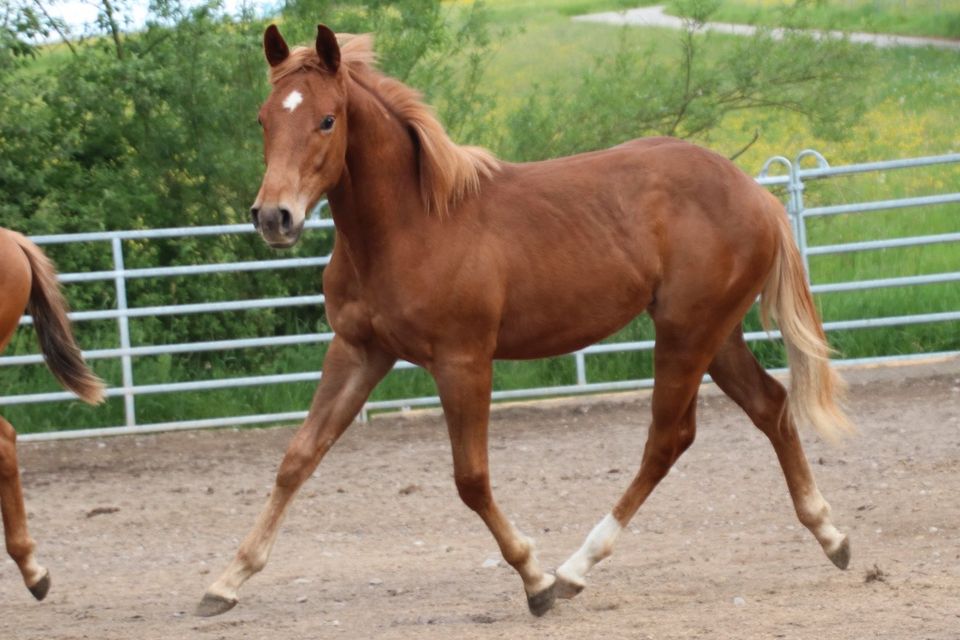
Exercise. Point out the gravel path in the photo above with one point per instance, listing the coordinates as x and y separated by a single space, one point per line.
656 17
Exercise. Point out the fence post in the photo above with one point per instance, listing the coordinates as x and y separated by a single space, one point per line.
581 368
795 209
796 206
123 322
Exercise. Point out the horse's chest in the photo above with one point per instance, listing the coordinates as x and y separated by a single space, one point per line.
360 313
402 336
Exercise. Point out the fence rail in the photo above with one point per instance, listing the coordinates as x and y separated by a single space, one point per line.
793 180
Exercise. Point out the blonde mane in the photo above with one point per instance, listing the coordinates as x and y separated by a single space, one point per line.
448 171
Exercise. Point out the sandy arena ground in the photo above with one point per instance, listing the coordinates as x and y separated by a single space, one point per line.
377 545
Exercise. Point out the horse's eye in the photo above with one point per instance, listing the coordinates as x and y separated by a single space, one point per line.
327 123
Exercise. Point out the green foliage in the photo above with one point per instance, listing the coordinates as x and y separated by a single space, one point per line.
20 26
688 90
156 129
440 50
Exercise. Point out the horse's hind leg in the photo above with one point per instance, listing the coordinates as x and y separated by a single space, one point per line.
740 376
19 544
679 370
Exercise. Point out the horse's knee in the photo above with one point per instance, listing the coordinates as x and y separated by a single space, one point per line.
474 489
664 446
295 466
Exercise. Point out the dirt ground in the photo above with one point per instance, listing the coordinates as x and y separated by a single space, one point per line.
377 545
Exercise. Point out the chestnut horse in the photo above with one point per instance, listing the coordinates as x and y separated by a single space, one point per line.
29 281
448 258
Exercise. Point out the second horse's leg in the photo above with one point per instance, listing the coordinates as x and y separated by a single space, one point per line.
350 372
19 544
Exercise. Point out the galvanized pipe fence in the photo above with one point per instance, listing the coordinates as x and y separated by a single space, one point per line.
793 180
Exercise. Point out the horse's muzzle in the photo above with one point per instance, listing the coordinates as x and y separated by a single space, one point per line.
276 226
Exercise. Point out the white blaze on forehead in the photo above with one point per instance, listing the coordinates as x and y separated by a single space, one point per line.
292 101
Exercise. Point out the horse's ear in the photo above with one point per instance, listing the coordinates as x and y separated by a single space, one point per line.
274 46
327 48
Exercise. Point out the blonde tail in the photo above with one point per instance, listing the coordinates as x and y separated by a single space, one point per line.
814 385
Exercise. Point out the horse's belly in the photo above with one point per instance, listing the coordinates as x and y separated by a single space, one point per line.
550 330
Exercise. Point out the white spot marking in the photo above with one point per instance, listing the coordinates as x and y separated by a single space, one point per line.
292 101
597 546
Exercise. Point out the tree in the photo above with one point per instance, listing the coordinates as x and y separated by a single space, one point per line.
436 47
23 24
640 91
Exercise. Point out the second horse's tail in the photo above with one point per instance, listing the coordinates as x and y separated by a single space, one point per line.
49 311
814 385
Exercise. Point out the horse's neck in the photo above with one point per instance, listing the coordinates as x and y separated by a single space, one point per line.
379 188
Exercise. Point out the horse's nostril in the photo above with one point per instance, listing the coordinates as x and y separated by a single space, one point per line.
286 220
255 217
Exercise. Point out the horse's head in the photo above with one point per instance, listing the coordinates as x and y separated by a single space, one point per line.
304 134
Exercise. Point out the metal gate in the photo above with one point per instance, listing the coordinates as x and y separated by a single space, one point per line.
794 181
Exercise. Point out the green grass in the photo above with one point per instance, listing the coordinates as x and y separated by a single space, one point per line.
913 95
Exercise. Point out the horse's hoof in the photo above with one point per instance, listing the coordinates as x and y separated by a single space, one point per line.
213 605
40 589
567 589
542 602
841 557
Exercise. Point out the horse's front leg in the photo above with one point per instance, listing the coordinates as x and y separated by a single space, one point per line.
350 372
19 543
464 386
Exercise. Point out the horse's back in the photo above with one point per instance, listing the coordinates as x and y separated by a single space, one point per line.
699 203
646 195
628 174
